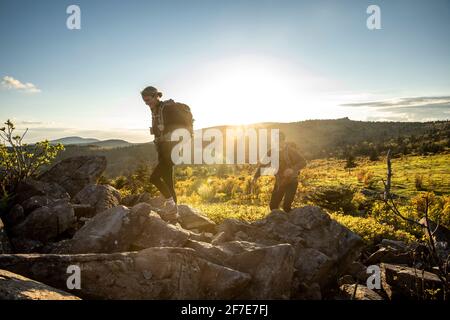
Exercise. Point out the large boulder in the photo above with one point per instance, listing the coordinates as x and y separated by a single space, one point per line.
101 197
123 229
5 246
194 220
271 267
154 273
36 202
31 187
14 216
317 240
74 173
401 282
17 287
47 222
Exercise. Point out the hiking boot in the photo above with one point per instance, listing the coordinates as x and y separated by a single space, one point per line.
169 211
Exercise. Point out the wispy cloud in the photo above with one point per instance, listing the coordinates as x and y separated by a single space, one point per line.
10 83
407 109
403 102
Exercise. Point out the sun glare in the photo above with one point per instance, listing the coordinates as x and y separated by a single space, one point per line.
246 91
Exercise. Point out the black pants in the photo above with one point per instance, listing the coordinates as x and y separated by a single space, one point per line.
162 176
286 191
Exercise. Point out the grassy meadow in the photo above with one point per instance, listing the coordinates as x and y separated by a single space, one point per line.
222 192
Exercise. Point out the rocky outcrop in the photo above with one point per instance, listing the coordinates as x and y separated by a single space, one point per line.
17 287
46 222
123 229
154 273
100 197
75 173
271 267
31 187
323 248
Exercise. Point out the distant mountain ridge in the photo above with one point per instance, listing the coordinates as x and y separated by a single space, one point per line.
74 140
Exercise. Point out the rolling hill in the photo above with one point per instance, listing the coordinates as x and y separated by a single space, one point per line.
315 139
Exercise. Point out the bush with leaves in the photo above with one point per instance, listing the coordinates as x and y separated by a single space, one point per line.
338 198
19 161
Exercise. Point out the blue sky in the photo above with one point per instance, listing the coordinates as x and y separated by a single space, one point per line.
233 62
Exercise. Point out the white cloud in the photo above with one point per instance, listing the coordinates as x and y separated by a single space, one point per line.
13 84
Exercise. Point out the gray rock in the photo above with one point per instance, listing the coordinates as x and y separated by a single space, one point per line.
332 246
47 222
400 282
149 230
31 187
101 197
271 267
102 233
17 287
122 229
192 219
314 266
74 173
36 202
14 216
154 273
390 255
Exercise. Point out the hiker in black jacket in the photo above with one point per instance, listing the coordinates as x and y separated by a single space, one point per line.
286 178
166 117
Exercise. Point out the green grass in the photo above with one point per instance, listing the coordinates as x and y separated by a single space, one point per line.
434 169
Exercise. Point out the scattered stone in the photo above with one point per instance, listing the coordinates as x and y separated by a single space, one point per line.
101 197
36 202
400 282
74 173
390 255
313 266
30 187
122 229
271 267
46 223
17 287
192 219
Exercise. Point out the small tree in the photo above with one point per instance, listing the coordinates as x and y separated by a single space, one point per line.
18 160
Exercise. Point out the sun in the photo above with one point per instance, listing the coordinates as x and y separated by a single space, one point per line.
243 91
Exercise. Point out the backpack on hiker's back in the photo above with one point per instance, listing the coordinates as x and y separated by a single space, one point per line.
174 115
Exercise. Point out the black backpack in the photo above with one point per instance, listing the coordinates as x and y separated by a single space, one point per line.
175 115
